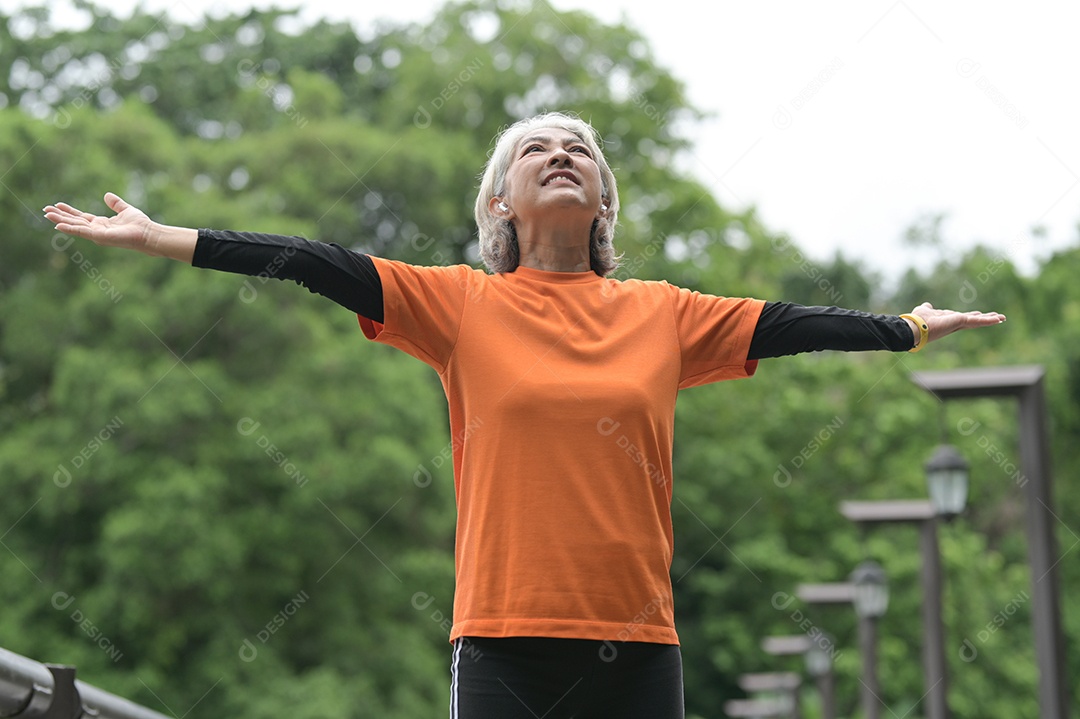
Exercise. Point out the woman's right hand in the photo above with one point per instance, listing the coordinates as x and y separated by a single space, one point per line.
129 228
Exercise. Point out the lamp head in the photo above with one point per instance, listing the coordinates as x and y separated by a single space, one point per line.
871 589
947 481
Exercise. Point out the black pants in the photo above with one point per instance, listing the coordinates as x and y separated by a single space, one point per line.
541 678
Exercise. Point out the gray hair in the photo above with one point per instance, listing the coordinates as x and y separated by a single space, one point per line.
498 238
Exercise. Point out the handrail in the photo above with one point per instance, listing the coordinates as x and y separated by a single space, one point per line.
48 691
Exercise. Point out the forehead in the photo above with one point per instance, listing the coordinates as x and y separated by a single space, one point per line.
550 135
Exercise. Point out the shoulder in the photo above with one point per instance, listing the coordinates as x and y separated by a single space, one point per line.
633 284
429 273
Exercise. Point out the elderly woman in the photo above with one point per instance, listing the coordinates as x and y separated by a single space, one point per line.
564 537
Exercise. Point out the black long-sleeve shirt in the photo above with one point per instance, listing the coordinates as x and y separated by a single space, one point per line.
350 279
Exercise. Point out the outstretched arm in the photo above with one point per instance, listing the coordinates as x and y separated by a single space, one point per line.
342 275
787 329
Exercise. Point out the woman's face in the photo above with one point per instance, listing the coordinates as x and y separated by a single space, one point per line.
552 168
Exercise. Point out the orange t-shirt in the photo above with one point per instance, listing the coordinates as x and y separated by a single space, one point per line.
561 389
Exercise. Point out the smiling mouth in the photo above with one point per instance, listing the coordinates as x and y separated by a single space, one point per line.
555 179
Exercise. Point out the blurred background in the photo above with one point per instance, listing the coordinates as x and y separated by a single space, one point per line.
219 499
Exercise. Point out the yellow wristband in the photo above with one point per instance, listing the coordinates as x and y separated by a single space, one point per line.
924 331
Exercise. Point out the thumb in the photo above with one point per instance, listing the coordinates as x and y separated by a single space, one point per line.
115 203
923 306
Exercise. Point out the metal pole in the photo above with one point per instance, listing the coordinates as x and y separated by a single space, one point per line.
1042 553
801 644
1026 383
31 689
20 680
826 687
936 705
920 512
833 593
868 649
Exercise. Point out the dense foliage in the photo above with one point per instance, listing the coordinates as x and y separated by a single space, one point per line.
220 499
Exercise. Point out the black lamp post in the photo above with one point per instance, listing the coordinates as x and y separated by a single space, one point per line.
925 514
1025 383
819 665
817 654
870 590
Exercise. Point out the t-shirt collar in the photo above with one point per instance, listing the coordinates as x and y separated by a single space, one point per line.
564 278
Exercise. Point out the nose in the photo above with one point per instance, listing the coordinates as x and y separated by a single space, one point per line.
561 157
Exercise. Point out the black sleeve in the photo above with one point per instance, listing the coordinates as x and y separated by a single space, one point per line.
344 276
786 329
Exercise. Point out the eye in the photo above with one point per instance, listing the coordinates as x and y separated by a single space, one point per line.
582 149
530 148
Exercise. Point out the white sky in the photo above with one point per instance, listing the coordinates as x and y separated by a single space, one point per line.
844 121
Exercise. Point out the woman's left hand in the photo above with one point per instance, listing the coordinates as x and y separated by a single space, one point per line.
942 323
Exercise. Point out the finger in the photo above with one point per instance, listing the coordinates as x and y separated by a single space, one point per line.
984 318
56 216
115 202
74 211
82 231
922 308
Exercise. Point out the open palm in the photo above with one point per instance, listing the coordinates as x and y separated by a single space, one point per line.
945 322
128 228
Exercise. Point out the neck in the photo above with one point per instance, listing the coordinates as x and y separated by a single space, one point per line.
554 250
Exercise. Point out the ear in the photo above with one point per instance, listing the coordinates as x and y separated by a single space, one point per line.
496 207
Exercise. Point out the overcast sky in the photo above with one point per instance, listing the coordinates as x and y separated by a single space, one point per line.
845 121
